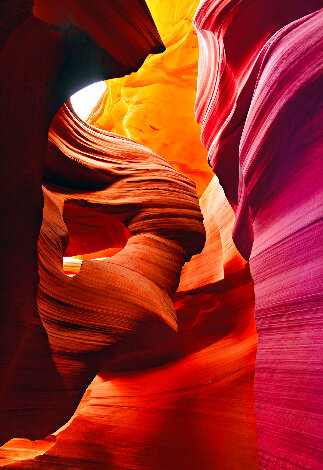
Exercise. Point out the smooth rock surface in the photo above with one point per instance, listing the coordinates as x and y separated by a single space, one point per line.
258 102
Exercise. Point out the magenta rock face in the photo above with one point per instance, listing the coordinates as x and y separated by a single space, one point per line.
259 108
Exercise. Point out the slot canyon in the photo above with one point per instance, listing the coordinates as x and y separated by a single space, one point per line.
161 256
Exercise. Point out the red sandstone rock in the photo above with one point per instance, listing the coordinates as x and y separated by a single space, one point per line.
177 415
192 403
41 65
259 106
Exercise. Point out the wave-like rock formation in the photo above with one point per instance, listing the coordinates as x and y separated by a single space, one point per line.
201 387
118 316
42 64
128 334
259 107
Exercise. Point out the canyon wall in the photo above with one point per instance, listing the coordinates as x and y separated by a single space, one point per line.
134 336
258 103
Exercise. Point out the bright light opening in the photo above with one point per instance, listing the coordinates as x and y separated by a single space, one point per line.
86 99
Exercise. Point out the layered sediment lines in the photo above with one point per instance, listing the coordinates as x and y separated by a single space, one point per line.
259 107
201 386
174 369
41 66
128 338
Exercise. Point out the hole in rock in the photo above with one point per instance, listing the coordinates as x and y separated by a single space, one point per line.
18 449
93 234
86 99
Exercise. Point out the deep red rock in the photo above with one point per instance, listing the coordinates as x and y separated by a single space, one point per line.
41 65
202 389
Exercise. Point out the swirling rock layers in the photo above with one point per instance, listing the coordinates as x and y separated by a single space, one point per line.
192 403
109 300
201 391
40 81
259 107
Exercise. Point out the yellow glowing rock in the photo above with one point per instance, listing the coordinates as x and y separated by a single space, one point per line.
155 106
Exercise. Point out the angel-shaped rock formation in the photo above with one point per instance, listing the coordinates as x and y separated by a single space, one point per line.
42 63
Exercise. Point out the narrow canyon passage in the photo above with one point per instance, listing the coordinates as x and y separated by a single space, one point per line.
161 247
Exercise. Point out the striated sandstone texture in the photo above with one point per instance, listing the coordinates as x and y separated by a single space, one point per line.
179 413
258 103
42 64
129 337
119 316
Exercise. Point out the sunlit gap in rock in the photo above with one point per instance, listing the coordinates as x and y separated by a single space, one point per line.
83 103
85 100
